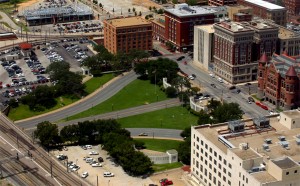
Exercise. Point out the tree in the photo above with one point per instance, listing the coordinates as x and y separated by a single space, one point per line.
135 14
139 144
204 118
47 133
133 9
140 13
57 69
191 2
186 132
171 92
174 1
13 103
213 104
14 2
227 112
195 90
150 8
160 11
184 151
70 133
129 10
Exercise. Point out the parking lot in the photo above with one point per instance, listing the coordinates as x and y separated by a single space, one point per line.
76 154
20 76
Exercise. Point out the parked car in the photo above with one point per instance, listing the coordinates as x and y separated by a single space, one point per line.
108 174
96 165
93 153
89 146
85 174
191 77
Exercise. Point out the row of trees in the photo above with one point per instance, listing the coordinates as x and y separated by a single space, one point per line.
66 83
105 61
115 140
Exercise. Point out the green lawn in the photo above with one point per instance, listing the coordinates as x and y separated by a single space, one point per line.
23 111
137 93
159 144
94 83
162 167
169 118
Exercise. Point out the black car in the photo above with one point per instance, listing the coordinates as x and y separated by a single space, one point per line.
194 75
180 58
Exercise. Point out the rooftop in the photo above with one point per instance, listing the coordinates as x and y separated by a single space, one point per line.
292 113
265 4
285 33
245 154
234 26
128 21
183 10
285 163
263 177
255 138
206 28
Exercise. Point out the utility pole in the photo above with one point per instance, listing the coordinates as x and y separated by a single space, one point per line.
51 169
97 180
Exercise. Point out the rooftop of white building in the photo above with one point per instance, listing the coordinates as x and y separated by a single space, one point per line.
266 4
184 10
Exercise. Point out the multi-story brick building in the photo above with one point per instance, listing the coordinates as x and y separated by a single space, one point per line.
233 51
125 34
236 47
180 22
158 26
278 80
293 8
239 13
254 152
221 2
266 10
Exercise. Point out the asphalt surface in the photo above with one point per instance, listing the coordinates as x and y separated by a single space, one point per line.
204 80
98 97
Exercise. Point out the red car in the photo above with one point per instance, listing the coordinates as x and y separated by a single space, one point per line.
167 182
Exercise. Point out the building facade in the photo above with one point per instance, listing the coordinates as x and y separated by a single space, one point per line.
233 52
235 12
247 153
221 2
289 42
125 34
180 22
266 10
204 46
278 80
293 8
158 26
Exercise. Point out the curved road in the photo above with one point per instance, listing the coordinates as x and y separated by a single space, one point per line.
95 98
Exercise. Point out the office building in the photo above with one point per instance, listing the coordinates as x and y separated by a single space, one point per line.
158 26
233 52
254 152
278 80
266 10
180 22
125 34
293 8
204 46
289 42
221 2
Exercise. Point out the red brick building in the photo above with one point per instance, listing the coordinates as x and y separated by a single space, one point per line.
266 10
240 17
221 2
158 26
293 8
180 22
279 80
125 34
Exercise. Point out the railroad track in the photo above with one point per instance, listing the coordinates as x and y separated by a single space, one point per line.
39 155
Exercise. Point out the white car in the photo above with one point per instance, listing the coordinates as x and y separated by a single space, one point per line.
60 155
191 78
85 174
94 153
108 174
212 75
75 168
88 146
220 80
96 165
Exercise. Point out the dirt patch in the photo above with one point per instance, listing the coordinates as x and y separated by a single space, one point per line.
145 3
176 175
27 4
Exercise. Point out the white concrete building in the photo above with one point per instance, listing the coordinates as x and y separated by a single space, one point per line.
203 46
258 152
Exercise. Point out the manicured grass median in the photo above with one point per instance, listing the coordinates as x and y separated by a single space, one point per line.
138 92
162 167
160 144
170 118
94 83
23 111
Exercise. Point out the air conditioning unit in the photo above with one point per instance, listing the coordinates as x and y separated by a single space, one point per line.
243 146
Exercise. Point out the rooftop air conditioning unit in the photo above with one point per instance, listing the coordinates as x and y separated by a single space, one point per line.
243 146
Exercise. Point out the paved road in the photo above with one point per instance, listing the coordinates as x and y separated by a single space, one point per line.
221 91
95 98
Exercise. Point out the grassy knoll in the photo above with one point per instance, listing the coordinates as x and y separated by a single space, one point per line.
23 111
137 93
159 144
170 118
